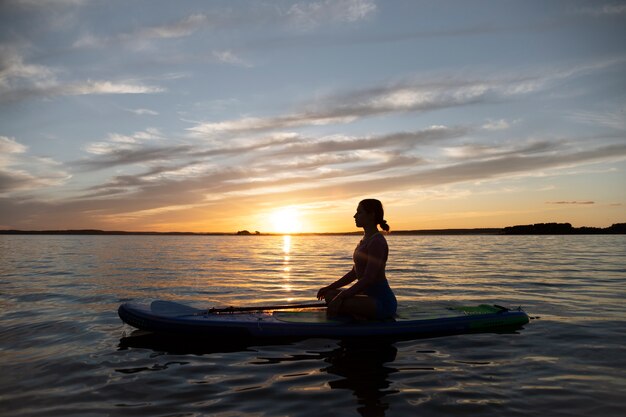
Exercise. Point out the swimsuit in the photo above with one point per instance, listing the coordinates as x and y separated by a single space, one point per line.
370 258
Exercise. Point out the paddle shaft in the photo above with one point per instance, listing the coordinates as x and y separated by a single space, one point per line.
232 309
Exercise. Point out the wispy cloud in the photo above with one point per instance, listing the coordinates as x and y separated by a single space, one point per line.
46 4
477 170
121 149
143 112
19 171
298 16
402 97
111 157
613 9
614 120
115 140
500 124
402 140
352 106
14 72
343 175
229 57
10 146
343 171
20 81
308 15
178 29
571 202
104 87
473 151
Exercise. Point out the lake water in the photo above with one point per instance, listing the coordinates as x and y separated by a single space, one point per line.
65 352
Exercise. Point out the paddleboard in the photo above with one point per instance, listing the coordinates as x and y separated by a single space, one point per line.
176 318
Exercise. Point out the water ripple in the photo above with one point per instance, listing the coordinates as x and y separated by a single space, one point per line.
66 353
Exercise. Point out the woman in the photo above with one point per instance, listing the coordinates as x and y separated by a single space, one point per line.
370 297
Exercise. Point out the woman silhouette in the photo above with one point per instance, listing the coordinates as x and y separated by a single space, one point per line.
370 297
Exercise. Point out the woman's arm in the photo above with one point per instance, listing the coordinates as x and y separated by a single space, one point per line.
341 282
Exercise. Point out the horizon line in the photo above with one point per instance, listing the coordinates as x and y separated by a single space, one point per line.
457 230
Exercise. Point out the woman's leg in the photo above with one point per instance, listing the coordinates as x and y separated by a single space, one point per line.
361 307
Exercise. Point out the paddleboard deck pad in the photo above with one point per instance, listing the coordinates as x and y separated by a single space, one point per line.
436 319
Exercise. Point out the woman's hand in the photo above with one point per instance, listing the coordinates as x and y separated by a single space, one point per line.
322 293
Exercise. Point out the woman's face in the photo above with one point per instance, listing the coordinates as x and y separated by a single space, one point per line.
362 217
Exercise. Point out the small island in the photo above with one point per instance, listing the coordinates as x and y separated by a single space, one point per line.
563 229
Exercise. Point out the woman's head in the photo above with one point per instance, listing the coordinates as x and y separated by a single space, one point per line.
375 208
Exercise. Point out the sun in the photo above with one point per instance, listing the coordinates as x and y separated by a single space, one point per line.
286 220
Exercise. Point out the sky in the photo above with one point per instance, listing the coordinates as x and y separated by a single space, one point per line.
280 116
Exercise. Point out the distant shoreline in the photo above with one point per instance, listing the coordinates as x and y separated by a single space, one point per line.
532 229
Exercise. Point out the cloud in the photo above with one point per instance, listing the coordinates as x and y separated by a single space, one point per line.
603 10
302 15
470 171
279 162
12 181
403 140
399 98
229 57
255 145
355 172
613 120
129 149
404 97
308 15
143 112
47 3
10 146
178 29
114 157
19 80
81 88
501 124
19 171
116 141
196 184
14 71
571 202
104 87
483 150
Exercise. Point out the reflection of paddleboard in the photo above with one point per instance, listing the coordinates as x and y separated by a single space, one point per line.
176 318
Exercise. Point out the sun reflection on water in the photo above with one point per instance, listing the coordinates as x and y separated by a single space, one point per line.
287 245
286 275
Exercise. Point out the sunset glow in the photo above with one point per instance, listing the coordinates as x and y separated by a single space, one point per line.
286 220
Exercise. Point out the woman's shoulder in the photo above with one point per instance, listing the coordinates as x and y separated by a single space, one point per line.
378 240
380 236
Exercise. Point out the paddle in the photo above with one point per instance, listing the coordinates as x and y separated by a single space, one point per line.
232 309
174 308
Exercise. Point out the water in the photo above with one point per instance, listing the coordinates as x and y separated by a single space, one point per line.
64 351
